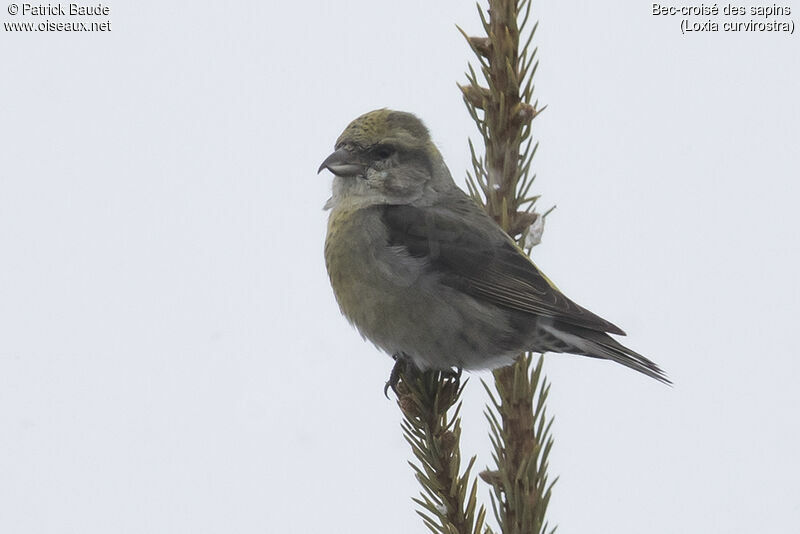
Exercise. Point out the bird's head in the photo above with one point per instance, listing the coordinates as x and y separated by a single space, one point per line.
385 157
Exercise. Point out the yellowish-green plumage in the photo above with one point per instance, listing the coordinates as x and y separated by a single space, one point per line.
422 271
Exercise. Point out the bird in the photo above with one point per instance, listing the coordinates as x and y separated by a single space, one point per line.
422 272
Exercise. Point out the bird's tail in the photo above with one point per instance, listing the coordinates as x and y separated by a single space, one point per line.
596 344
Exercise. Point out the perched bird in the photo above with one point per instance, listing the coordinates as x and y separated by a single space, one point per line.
426 275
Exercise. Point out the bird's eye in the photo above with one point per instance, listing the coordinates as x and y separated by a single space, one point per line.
383 151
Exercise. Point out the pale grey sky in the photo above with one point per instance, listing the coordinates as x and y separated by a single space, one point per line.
171 355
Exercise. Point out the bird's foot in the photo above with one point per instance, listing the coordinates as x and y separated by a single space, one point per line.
402 364
405 368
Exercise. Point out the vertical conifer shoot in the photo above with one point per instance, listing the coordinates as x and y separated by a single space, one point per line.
448 502
430 402
501 181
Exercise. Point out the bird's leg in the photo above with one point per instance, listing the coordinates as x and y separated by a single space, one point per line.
402 363
404 367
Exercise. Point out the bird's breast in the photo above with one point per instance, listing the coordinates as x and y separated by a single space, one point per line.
354 245
397 302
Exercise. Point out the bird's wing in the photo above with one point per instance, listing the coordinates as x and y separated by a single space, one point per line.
472 254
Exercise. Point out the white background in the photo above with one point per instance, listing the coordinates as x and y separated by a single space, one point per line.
171 355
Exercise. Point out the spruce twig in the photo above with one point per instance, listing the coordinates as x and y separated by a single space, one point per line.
521 442
447 503
501 181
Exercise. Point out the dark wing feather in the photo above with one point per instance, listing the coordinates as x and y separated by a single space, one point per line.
482 261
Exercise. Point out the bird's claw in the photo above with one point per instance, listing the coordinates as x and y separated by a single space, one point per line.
401 362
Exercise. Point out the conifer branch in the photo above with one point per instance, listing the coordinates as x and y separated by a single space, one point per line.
501 181
447 503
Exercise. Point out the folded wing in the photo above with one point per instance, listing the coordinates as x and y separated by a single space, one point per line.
475 256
